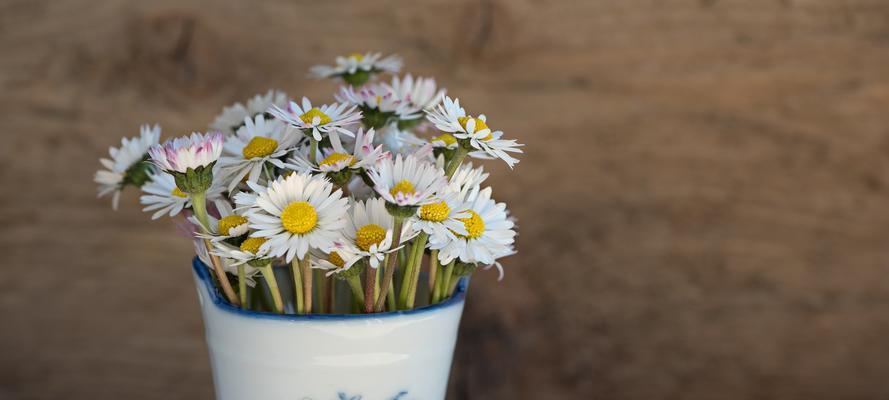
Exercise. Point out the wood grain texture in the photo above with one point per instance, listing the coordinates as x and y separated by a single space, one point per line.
702 203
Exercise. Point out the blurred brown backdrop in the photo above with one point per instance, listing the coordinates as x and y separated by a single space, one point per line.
702 201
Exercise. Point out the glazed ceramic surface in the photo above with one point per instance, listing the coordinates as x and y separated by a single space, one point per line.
403 355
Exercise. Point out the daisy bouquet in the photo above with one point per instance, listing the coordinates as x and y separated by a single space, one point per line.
352 199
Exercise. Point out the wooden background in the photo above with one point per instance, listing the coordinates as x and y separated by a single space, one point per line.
702 203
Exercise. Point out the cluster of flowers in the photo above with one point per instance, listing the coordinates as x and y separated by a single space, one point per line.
345 192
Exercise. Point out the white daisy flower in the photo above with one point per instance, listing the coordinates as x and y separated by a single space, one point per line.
417 95
163 196
442 219
451 118
370 97
489 233
229 264
128 163
369 232
296 213
258 142
378 103
358 67
230 224
251 249
340 258
407 181
337 158
187 152
232 117
330 119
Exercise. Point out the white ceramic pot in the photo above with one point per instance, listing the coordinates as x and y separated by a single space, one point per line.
403 355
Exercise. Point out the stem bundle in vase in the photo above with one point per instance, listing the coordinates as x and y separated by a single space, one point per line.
357 198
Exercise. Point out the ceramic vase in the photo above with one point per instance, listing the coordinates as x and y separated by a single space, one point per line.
403 355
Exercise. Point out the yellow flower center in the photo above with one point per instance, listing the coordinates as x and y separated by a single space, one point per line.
447 138
474 224
479 125
259 147
251 245
403 186
226 224
369 235
435 212
178 193
315 112
356 56
299 217
335 259
335 158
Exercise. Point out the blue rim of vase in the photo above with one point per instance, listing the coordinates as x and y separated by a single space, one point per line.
202 271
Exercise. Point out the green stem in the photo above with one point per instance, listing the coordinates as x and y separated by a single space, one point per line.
436 291
446 279
267 170
370 286
390 298
412 273
321 282
331 294
453 285
297 286
199 207
269 276
390 268
307 284
433 273
313 149
355 285
459 155
242 285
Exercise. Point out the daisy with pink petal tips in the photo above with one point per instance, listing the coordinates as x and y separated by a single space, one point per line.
190 159
182 153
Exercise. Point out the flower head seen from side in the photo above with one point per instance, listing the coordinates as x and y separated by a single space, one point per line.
378 103
407 181
296 213
329 119
357 68
473 133
162 196
444 145
415 96
230 226
259 144
489 234
232 117
128 164
190 159
338 260
251 251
